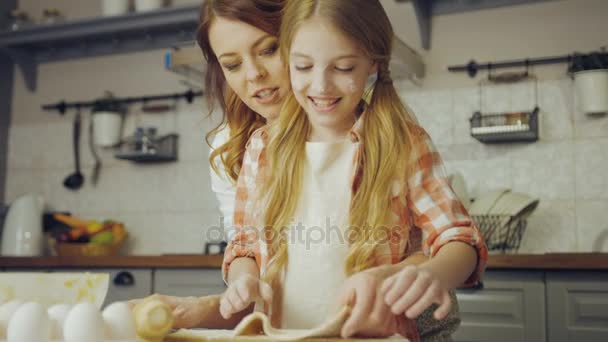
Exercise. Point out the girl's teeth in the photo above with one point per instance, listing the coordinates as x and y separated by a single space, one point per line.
324 103
265 93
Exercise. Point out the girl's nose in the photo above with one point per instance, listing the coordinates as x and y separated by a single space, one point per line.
321 84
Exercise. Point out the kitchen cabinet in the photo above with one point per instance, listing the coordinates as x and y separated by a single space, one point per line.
577 306
188 282
510 307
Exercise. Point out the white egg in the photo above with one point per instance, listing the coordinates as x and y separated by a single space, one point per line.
120 323
6 312
29 323
83 323
57 314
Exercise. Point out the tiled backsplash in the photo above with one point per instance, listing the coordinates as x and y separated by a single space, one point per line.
566 168
168 208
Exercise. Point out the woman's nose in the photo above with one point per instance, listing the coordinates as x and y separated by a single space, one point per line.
255 72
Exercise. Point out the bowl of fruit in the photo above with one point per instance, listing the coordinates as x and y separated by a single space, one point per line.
72 236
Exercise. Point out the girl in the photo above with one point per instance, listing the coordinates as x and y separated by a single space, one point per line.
369 173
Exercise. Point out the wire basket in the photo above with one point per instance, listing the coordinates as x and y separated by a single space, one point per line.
502 233
66 249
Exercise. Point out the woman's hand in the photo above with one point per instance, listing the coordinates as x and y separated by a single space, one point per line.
371 316
187 311
245 290
413 290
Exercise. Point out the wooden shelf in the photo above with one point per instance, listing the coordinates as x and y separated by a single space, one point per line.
98 36
565 261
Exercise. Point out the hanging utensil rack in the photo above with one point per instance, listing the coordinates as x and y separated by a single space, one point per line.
472 68
63 106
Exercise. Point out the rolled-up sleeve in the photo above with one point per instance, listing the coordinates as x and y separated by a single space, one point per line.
246 241
436 209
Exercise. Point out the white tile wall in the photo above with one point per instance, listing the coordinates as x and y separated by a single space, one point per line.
169 207
566 169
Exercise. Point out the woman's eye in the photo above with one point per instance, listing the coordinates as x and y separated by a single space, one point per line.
271 50
231 67
345 69
303 67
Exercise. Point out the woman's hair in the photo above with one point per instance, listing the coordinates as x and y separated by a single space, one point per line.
386 138
240 119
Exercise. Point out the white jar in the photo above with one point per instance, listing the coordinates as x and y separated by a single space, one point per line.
114 7
148 5
592 90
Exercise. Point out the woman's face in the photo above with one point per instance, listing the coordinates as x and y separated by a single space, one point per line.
328 75
252 65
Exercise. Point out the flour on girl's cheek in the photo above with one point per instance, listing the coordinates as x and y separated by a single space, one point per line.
298 83
351 86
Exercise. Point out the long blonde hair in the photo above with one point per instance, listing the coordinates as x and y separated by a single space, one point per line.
387 130
237 116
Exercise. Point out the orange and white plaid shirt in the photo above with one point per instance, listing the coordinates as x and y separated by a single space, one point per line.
426 211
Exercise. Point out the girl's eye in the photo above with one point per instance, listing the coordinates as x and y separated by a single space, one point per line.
303 67
271 50
345 69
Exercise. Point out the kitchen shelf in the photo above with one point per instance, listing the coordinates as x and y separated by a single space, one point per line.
97 37
484 127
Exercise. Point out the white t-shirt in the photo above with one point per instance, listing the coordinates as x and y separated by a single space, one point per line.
317 246
222 186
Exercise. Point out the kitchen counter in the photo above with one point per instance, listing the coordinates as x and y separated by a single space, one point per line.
561 261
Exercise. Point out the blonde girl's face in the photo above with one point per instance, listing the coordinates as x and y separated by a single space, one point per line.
328 74
251 64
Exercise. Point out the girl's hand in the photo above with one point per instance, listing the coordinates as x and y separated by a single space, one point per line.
242 292
370 316
186 310
413 289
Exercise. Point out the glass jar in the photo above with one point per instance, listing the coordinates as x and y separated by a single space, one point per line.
18 20
51 16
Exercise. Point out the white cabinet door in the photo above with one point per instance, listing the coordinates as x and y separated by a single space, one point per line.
577 306
188 282
510 307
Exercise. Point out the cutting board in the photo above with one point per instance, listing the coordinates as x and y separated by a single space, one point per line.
185 335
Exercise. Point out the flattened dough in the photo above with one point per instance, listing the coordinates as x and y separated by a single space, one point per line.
256 328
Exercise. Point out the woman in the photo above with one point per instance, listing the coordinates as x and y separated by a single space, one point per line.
245 78
248 81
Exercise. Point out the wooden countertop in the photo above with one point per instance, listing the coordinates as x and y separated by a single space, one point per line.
561 261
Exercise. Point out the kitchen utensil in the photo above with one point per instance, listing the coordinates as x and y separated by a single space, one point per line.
114 7
93 149
148 5
484 203
22 234
75 180
107 115
592 90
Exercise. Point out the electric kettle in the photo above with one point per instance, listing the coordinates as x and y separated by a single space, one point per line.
22 234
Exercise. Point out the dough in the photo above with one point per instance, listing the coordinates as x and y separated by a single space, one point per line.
258 323
256 328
